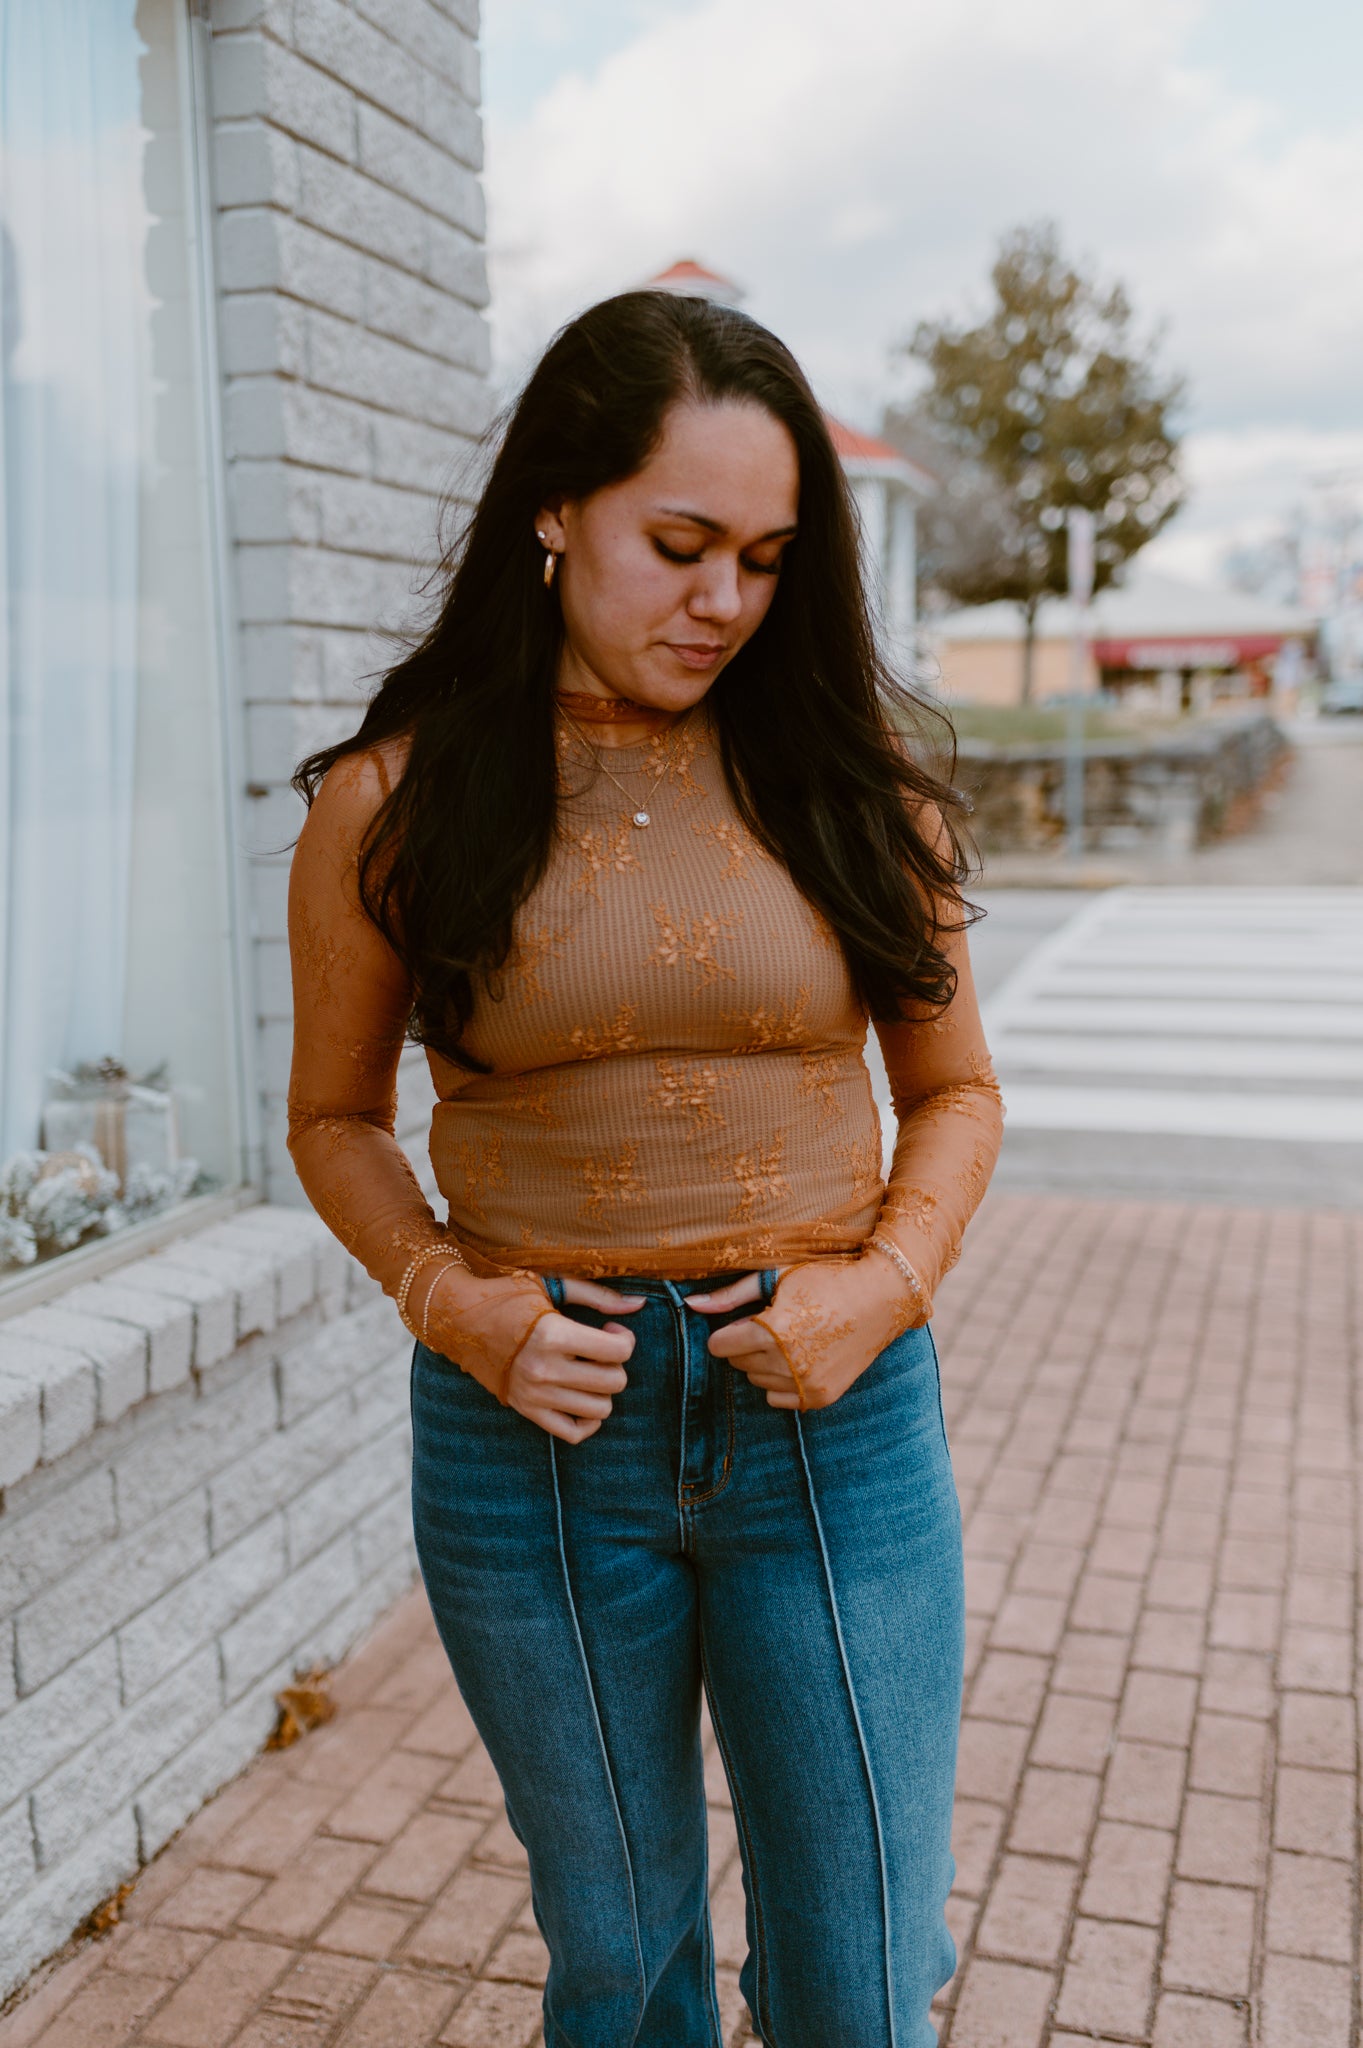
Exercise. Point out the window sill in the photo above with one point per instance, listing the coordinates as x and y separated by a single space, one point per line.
29 1286
150 1315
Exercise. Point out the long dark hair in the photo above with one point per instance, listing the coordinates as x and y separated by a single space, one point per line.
817 736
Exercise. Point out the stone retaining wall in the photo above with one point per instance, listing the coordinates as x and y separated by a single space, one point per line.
1166 793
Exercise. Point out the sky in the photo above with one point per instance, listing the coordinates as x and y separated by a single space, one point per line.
853 163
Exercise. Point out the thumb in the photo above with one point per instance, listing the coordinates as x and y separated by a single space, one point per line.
737 1294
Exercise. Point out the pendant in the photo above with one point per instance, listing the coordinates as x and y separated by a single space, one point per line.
641 818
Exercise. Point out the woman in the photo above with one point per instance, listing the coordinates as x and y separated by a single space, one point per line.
633 845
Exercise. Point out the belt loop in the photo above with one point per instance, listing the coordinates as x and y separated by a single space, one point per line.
553 1287
767 1280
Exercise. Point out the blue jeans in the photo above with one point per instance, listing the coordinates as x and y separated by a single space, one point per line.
806 1569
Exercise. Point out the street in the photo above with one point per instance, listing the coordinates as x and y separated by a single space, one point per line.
1200 1036
1183 1041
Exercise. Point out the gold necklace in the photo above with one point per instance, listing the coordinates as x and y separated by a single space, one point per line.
642 816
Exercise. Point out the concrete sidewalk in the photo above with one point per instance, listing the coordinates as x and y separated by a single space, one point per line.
1306 832
1152 1417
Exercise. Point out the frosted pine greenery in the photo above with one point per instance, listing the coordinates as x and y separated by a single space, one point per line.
51 1202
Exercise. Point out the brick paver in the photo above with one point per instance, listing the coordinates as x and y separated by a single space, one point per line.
1152 1416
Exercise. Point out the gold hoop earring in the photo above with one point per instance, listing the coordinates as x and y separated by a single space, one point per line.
550 564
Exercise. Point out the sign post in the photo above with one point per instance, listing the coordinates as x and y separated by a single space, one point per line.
1079 526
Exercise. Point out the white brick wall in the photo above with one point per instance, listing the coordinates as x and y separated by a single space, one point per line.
354 350
204 1454
164 1569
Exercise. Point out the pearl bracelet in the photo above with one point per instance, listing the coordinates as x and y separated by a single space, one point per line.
451 1255
892 1252
448 1266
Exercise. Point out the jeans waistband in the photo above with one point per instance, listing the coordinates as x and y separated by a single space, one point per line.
659 1289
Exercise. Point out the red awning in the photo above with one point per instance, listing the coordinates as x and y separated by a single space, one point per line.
1174 650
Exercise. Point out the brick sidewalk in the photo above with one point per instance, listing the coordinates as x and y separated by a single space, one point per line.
1151 1410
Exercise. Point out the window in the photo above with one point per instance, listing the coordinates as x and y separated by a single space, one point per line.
117 1007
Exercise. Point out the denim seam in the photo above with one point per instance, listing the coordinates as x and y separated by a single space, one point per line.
680 1334
707 1945
762 2017
600 1731
686 1498
937 1370
695 1500
856 1721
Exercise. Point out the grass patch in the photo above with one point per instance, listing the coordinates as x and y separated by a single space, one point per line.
1003 725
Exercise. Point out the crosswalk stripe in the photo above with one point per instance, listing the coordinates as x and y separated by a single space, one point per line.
1255 958
1316 1120
1219 985
1210 1058
1168 1013
1143 987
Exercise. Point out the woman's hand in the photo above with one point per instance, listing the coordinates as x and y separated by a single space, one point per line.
565 1374
747 1344
828 1320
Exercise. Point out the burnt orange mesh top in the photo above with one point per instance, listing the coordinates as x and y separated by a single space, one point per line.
677 1083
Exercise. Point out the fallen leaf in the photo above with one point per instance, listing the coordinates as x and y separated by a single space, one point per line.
303 1706
107 1916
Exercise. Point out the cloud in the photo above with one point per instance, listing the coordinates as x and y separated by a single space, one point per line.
1243 481
855 165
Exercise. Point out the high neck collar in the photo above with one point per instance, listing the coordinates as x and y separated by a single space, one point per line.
589 709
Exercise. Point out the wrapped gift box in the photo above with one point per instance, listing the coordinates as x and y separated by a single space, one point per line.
129 1122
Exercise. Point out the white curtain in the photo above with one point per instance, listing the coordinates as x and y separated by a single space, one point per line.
74 315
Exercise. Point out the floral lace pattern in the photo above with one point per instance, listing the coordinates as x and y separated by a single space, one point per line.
862 1159
764 1030
759 1175
672 755
605 852
819 1075
693 939
597 1040
690 1088
611 1178
536 945
737 844
672 1080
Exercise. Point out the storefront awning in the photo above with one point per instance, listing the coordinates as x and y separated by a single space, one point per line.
1184 652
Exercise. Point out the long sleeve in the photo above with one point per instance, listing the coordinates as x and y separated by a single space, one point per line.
352 1000
831 1317
950 1126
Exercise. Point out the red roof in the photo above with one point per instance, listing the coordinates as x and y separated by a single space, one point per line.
850 442
868 456
689 272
